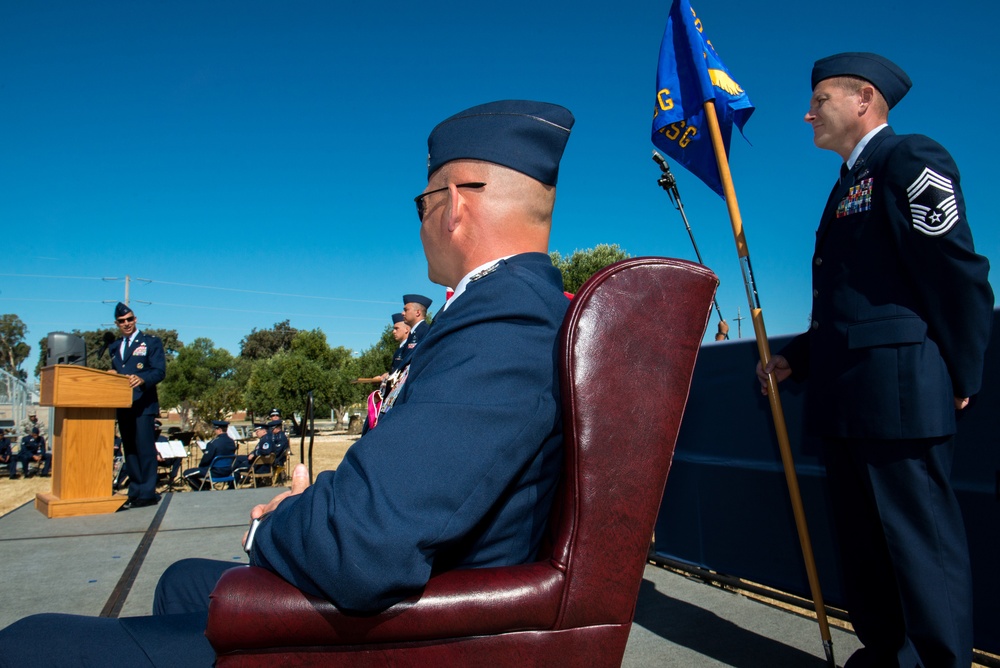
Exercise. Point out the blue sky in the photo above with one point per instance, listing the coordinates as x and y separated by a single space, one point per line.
256 161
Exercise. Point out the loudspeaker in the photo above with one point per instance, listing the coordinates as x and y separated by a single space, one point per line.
66 348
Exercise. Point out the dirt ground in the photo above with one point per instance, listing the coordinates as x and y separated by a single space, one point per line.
328 451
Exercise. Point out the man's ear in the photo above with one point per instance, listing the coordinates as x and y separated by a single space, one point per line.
459 208
867 94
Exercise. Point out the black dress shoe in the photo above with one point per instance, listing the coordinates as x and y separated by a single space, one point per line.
138 503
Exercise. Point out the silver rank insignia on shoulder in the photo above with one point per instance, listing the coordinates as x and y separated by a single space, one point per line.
485 272
933 208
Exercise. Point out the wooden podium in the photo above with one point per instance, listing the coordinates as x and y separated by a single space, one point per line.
83 435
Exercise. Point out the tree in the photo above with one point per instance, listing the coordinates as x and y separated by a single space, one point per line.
195 383
13 349
265 343
581 265
284 380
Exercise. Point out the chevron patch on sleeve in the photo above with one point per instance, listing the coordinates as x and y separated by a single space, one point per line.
933 209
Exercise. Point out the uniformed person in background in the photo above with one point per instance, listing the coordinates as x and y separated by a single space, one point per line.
400 332
901 317
140 358
414 315
33 450
263 447
7 456
174 462
219 446
279 441
29 423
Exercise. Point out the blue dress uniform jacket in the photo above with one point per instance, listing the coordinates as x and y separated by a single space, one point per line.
901 312
461 472
219 446
417 334
145 359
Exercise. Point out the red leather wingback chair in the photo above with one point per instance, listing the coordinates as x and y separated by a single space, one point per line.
629 344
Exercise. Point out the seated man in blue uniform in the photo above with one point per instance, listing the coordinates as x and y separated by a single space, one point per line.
263 447
902 309
462 472
219 446
7 457
173 462
33 450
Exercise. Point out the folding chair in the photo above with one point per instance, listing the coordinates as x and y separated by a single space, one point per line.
262 468
220 463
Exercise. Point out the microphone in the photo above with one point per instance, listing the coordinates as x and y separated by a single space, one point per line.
667 180
109 338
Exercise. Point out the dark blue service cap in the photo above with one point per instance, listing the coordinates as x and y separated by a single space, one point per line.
884 74
523 135
121 309
417 299
397 317
259 425
221 424
274 423
34 430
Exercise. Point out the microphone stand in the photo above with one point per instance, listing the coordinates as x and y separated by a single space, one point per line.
669 183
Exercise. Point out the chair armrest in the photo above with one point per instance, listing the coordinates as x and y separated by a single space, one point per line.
252 608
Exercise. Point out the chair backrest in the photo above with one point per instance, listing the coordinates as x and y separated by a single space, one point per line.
629 345
221 468
628 348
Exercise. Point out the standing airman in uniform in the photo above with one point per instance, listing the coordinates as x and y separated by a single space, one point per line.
901 316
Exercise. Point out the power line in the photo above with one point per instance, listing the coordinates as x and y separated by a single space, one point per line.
205 287
270 294
258 311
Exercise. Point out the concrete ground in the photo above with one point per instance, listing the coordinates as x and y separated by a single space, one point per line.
109 564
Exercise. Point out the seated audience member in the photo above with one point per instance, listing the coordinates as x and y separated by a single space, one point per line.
7 454
33 450
462 472
279 441
173 462
264 447
31 422
219 446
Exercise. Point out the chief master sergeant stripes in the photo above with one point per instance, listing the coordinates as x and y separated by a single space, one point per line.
900 322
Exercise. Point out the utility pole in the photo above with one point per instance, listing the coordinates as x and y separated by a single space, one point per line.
126 289
739 321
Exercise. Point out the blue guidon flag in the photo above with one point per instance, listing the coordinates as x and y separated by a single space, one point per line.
689 74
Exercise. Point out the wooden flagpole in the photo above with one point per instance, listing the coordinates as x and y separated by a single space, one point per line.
764 351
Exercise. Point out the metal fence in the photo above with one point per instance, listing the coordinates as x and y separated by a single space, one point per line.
14 400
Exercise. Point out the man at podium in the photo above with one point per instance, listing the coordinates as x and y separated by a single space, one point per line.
139 357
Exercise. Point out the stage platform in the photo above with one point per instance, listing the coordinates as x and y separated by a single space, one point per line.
109 564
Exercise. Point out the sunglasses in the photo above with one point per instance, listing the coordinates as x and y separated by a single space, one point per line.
422 207
122 321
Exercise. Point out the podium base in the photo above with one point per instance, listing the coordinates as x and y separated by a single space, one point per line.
51 505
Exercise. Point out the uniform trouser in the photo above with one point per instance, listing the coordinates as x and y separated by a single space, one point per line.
139 446
904 552
173 636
